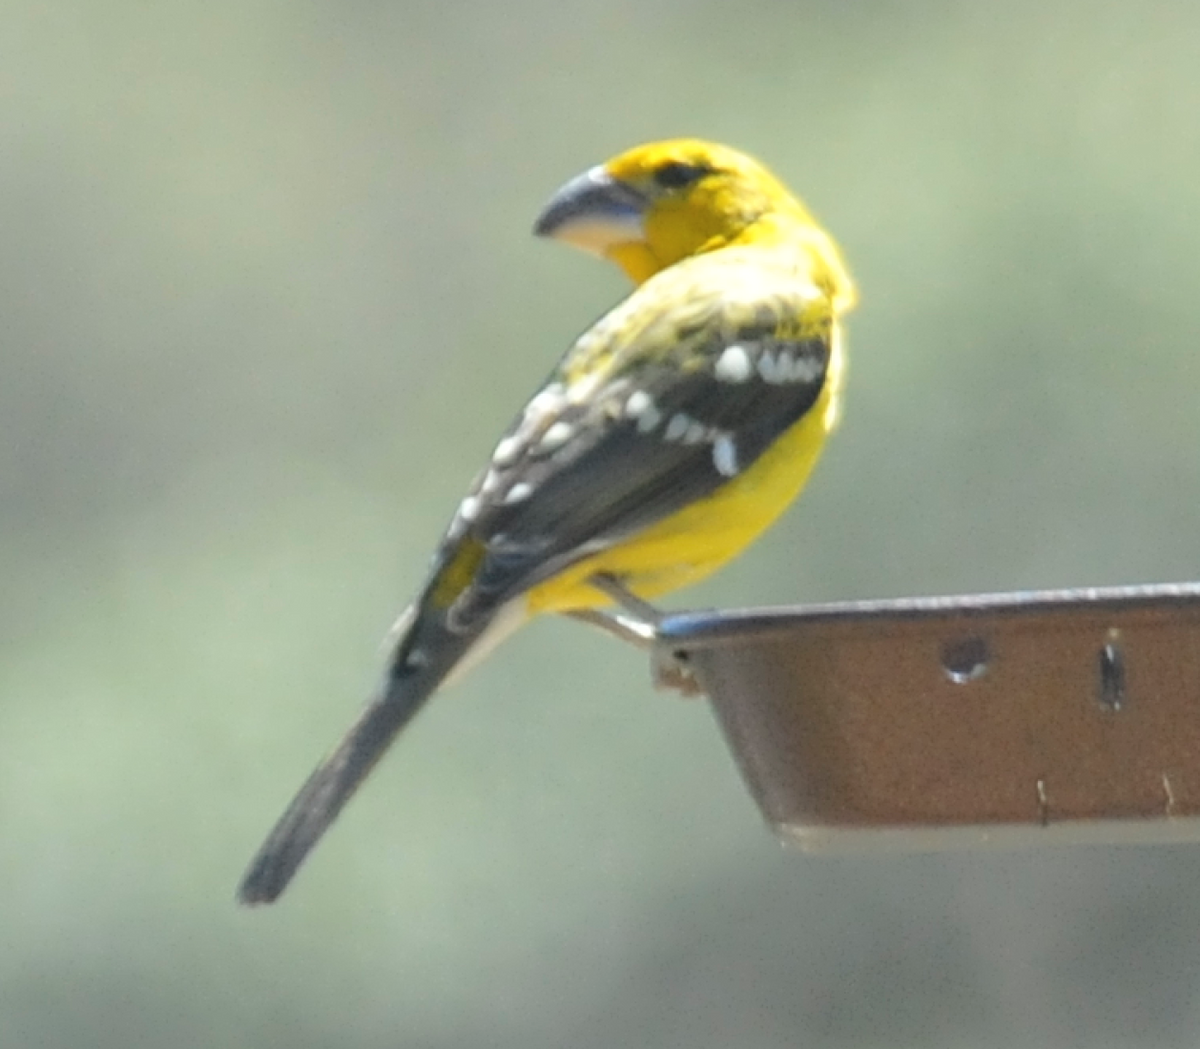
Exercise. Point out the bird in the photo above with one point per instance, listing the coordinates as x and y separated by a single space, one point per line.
668 437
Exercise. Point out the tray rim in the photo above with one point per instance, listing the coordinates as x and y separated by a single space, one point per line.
713 628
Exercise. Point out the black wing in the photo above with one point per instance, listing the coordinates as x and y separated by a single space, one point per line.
682 409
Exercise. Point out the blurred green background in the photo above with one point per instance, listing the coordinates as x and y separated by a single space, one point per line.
268 295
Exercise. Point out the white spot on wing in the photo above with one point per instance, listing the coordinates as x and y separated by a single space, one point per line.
637 403
520 490
507 451
806 368
491 482
766 367
677 427
556 436
725 455
696 432
641 406
468 508
544 402
733 365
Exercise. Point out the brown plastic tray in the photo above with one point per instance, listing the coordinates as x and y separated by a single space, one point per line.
1011 719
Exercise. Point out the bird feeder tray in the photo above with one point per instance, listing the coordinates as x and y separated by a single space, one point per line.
1060 717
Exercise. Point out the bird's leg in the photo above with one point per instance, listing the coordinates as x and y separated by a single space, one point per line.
619 626
638 609
635 622
669 670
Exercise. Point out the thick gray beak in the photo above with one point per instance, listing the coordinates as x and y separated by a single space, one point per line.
594 211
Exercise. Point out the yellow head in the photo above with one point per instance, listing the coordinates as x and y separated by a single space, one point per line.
656 204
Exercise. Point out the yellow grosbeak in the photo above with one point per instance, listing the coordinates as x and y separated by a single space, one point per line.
673 432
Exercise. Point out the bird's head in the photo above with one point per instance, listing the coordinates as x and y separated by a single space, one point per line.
656 204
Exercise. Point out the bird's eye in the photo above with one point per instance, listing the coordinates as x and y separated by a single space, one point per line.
675 174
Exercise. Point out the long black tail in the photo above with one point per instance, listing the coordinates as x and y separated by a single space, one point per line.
423 658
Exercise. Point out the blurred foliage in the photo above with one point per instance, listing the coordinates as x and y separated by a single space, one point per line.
268 295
